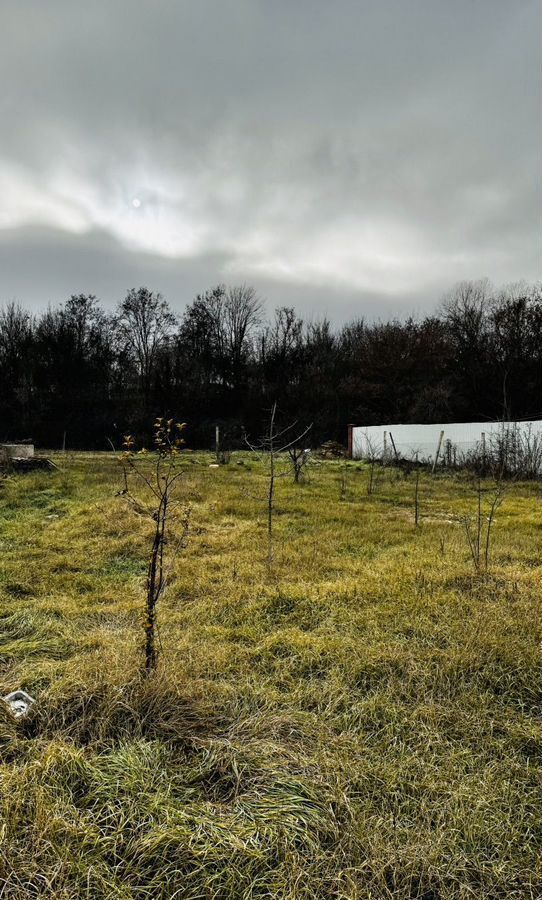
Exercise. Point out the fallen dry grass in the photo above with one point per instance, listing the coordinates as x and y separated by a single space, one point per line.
357 723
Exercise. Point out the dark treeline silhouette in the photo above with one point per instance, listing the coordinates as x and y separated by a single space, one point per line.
79 372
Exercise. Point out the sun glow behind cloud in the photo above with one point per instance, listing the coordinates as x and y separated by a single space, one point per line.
281 239
153 220
372 149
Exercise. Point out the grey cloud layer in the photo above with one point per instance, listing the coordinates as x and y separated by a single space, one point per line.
350 155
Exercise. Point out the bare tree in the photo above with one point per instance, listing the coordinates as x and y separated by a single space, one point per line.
468 302
15 330
220 325
144 322
242 313
284 335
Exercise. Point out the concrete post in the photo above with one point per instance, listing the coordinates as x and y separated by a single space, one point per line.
350 443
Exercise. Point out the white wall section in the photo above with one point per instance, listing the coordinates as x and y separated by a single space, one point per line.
375 441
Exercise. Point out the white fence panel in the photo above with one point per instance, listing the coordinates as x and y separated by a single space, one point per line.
375 441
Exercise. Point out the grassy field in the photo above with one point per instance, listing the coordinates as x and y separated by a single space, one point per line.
358 722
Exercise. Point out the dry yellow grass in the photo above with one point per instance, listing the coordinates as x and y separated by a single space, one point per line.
357 723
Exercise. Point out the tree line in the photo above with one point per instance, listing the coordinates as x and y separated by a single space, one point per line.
78 375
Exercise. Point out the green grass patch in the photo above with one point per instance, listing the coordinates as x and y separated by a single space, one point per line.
358 722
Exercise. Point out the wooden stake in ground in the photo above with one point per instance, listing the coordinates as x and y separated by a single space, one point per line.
441 436
394 448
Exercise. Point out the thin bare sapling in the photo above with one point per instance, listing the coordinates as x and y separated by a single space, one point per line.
478 528
344 480
272 451
299 460
151 481
373 454
416 493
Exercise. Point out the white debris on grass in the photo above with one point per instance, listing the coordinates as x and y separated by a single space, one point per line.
19 702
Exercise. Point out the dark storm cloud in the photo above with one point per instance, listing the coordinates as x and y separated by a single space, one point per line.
347 157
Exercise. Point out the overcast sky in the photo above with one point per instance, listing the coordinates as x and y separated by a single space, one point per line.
354 157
